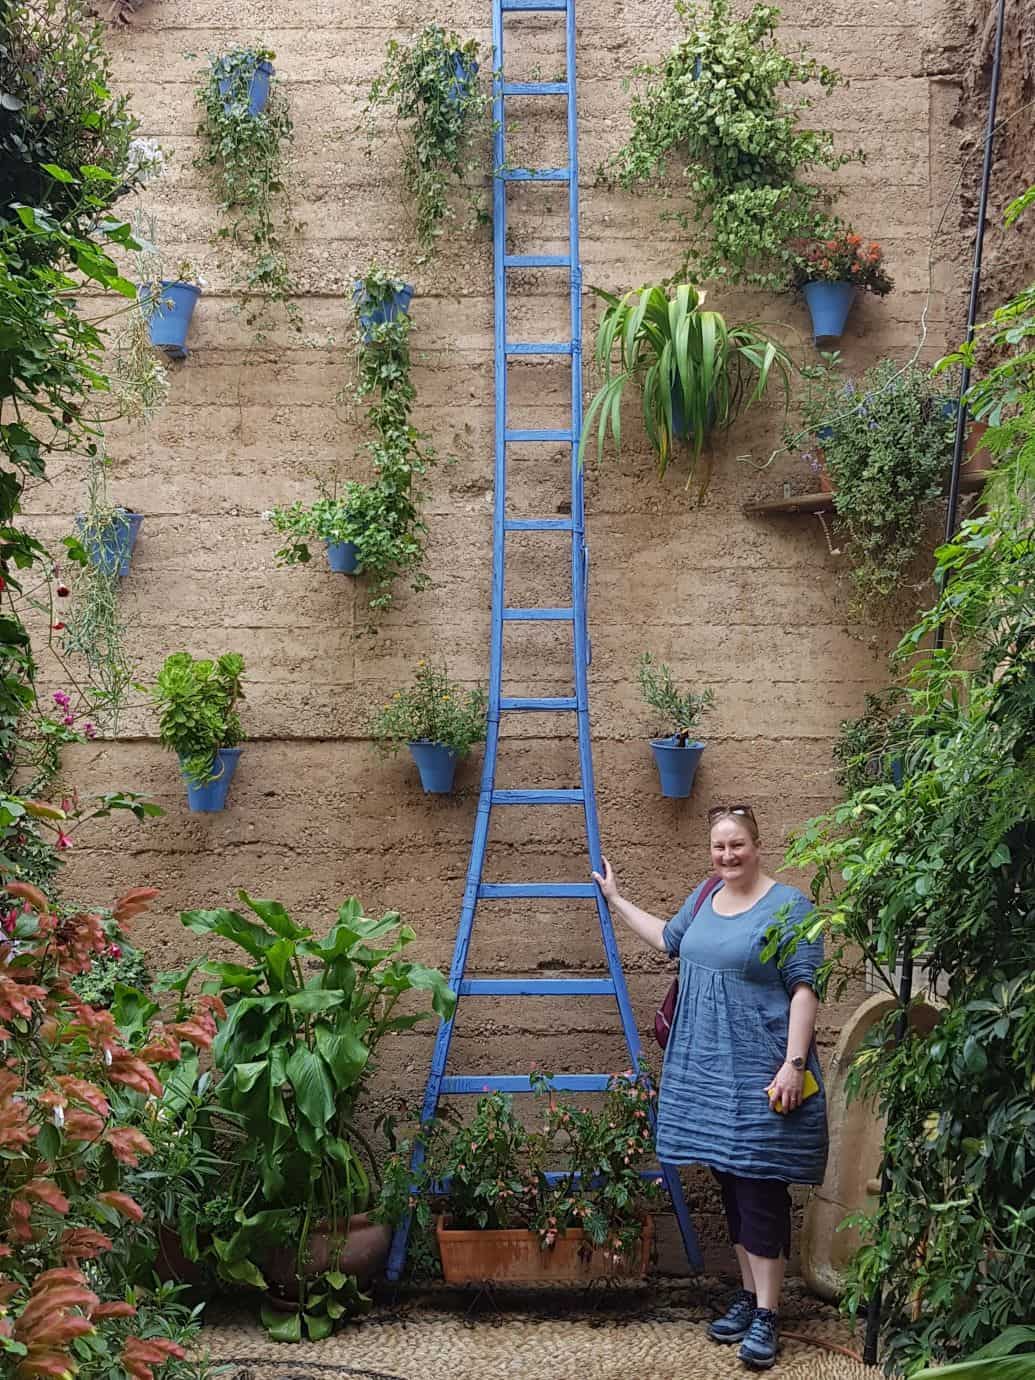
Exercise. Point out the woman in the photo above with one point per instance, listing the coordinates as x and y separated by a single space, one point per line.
741 1041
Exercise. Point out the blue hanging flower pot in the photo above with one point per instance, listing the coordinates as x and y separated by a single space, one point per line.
677 765
111 548
170 315
436 764
258 84
829 305
342 557
210 797
377 314
465 70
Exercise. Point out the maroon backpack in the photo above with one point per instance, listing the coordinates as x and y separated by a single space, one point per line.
665 1013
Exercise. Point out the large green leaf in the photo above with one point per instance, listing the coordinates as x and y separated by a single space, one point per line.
275 916
314 999
314 1093
282 1327
230 924
235 975
991 1368
344 1052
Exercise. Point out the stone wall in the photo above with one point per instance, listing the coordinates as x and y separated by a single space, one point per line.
753 608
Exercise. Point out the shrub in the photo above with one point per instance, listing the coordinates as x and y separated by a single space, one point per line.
197 701
435 710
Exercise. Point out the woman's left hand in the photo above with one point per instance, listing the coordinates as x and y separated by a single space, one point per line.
786 1087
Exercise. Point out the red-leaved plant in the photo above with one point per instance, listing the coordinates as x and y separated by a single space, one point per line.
843 257
63 1066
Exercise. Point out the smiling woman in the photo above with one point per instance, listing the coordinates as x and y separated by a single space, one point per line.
741 1088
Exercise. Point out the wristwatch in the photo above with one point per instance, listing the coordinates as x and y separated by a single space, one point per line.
797 1062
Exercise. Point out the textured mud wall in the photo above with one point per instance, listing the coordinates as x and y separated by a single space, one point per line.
752 608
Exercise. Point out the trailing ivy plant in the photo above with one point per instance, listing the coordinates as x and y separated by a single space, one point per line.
244 153
431 85
725 106
887 446
944 865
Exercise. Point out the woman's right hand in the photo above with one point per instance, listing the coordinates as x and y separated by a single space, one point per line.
607 882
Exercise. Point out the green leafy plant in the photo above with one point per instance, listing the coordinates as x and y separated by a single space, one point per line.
840 256
430 83
197 702
693 371
329 518
725 105
497 1168
435 710
306 1019
119 963
887 448
69 1220
679 712
869 749
245 155
999 1360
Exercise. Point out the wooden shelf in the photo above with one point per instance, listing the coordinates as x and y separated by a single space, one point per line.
824 503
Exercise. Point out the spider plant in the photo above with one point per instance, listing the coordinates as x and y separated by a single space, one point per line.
694 371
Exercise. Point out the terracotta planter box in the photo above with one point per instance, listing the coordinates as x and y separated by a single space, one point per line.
516 1257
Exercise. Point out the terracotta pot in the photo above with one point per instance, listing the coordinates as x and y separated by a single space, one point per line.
822 473
172 1265
516 1257
362 1253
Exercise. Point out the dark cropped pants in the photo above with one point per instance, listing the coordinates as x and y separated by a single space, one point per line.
758 1212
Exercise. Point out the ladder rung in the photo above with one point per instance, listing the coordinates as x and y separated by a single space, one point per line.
537 261
563 1082
552 347
506 5
535 88
538 525
537 434
534 797
537 987
506 891
538 615
536 175
546 702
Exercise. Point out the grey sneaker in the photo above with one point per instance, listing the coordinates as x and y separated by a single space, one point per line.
762 1342
734 1323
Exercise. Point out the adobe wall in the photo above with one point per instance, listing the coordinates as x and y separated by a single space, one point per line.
753 608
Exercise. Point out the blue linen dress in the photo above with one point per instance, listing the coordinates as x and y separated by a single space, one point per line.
728 1039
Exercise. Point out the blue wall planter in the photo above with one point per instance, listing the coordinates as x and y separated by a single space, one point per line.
211 797
676 765
829 305
342 557
436 764
111 549
258 87
170 320
465 70
378 315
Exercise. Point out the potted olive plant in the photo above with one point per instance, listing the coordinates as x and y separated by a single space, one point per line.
678 753
306 1017
830 271
437 720
197 702
693 371
501 1215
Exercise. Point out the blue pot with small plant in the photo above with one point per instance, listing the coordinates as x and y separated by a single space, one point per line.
464 71
109 542
677 754
169 307
244 79
830 272
437 720
329 520
198 720
342 557
379 298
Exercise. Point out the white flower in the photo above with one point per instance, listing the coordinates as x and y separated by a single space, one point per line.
145 160
267 516
107 1058
58 1117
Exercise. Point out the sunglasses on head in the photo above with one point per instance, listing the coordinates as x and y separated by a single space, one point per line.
718 810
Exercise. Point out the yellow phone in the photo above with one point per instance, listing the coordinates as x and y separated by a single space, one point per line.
809 1086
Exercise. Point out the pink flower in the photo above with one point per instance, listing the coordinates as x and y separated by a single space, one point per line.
61 698
89 730
63 840
114 951
68 720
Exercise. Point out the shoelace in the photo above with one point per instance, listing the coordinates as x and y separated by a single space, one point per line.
763 1327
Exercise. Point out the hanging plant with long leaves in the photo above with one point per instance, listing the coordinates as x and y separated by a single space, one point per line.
431 84
244 153
693 371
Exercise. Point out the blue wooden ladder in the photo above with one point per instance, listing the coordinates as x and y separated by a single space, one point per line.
476 889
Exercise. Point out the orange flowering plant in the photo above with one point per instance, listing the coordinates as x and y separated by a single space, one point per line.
843 257
65 1071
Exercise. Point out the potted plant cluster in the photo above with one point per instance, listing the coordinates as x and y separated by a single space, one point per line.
693 371
243 78
198 720
329 520
503 1208
886 447
430 84
306 1018
168 305
438 721
830 270
678 753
